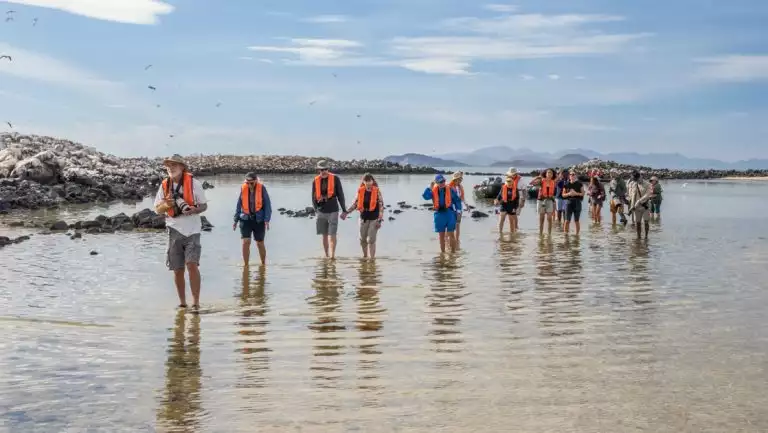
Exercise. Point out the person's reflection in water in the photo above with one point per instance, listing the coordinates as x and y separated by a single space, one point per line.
180 407
327 327
640 285
445 304
369 324
252 324
559 292
511 273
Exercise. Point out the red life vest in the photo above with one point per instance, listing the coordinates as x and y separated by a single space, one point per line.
245 197
436 197
331 186
374 201
188 194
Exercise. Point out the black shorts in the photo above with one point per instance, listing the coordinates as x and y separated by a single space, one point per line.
573 210
510 208
257 228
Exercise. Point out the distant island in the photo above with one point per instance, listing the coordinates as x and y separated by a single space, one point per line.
564 161
420 160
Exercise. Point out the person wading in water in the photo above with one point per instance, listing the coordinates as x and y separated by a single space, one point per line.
327 199
182 199
640 193
574 192
547 200
618 191
508 201
443 199
370 203
253 213
562 179
596 193
456 185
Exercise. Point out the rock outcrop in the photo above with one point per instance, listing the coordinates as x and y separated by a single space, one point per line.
662 173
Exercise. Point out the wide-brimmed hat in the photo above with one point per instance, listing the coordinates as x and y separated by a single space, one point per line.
251 176
175 159
322 165
512 172
458 175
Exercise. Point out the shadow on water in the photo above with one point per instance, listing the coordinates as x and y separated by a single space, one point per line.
369 325
558 289
252 328
327 328
180 407
445 304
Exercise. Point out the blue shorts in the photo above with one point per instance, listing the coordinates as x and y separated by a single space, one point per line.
445 221
561 204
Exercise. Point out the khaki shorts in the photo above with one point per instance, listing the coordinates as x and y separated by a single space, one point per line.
182 250
327 223
368 231
546 206
641 214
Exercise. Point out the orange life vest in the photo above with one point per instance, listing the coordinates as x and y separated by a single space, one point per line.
459 189
245 197
505 191
188 194
436 197
331 186
361 198
547 189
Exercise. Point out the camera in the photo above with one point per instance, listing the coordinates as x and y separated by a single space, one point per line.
181 205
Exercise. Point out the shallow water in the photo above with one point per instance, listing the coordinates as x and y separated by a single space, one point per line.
599 333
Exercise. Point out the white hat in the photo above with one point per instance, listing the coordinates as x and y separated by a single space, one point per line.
458 175
512 172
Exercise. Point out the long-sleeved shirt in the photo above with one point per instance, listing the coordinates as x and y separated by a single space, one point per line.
331 205
639 193
264 214
370 215
454 197
618 188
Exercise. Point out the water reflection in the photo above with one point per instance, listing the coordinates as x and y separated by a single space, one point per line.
559 288
252 328
445 304
641 291
180 408
369 324
327 328
511 272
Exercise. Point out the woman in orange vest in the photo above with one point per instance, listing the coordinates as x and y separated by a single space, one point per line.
371 206
547 192
509 201
253 213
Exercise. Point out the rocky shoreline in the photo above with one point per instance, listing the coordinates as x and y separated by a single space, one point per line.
44 172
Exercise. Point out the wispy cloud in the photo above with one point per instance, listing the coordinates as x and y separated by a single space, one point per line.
738 68
510 120
310 50
527 77
327 19
553 77
496 7
437 66
124 11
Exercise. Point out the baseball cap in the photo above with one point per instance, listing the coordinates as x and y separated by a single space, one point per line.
439 178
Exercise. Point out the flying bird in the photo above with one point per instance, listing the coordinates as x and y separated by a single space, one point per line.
10 18
312 103
10 12
147 67
151 87
158 105
9 125
218 104
358 116
4 56
34 22
171 136
334 75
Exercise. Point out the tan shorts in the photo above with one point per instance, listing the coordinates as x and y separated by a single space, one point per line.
641 214
368 231
182 250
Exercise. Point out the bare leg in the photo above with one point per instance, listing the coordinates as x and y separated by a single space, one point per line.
647 228
372 250
578 227
452 241
639 227
441 237
458 233
513 223
550 217
333 246
246 250
613 215
194 282
181 290
566 226
325 244
364 246
542 215
502 220
262 252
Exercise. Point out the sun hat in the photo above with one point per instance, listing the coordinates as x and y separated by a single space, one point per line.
175 159
458 175
322 165
512 172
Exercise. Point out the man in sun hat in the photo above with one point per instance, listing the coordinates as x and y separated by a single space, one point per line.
328 199
444 201
182 199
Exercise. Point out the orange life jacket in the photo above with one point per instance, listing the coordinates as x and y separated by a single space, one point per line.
331 186
547 189
436 197
245 197
188 194
505 191
361 198
459 189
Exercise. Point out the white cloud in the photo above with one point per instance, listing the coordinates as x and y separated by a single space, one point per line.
525 23
437 66
553 77
739 68
496 7
327 19
579 77
124 11
311 50
527 77
245 58
266 61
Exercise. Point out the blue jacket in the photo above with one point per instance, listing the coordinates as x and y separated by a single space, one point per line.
455 199
265 214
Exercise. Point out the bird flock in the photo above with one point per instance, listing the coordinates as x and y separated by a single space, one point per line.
11 17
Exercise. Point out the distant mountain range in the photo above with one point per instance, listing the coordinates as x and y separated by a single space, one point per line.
497 155
418 159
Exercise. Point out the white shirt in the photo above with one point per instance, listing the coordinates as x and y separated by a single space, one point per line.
187 225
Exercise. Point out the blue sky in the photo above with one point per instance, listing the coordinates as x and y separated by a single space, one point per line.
368 78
